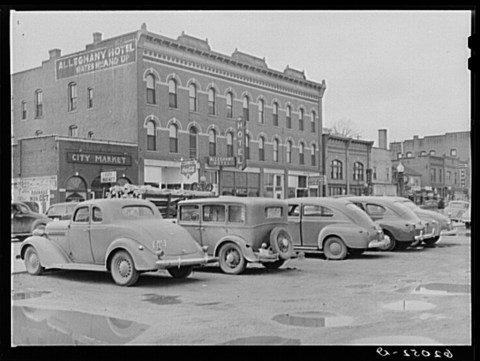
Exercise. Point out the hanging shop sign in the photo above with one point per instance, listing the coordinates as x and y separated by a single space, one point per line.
188 168
112 55
241 138
315 180
221 161
108 177
99 158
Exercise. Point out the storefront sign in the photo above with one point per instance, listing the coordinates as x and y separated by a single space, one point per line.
315 180
35 189
112 55
241 138
99 158
188 168
108 177
221 161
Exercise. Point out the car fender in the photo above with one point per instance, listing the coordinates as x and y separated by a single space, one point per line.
393 229
49 253
352 235
143 258
244 246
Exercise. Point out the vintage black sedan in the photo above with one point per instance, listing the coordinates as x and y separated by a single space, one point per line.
123 236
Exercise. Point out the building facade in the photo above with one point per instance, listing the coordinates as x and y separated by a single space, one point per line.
175 103
381 161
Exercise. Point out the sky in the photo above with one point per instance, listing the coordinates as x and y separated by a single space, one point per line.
404 71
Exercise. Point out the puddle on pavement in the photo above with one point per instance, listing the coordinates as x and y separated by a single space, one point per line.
442 289
33 326
161 300
263 340
26 295
405 305
313 319
395 340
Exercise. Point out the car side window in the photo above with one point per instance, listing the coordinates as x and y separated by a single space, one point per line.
375 209
189 213
97 215
236 214
81 215
294 210
214 213
317 211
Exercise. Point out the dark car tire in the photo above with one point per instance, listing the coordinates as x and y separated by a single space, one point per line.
32 261
392 245
281 242
231 260
123 269
431 241
334 249
356 251
274 265
402 246
182 272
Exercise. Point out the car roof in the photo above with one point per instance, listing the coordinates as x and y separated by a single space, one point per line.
381 199
261 201
321 201
115 201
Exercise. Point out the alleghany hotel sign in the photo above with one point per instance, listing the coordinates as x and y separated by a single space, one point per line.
111 55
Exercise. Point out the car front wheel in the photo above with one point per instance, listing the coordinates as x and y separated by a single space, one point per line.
391 246
123 269
231 259
32 262
431 241
335 249
180 272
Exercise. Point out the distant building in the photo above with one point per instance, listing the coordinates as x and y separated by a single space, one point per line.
381 161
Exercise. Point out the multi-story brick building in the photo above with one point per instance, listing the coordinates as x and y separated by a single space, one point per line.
171 101
381 161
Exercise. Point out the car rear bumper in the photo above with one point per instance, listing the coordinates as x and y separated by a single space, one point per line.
380 242
422 236
180 262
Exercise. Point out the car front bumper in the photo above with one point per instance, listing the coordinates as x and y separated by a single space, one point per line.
422 236
384 242
180 262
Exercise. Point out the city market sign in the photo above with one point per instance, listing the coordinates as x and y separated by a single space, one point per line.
98 158
110 56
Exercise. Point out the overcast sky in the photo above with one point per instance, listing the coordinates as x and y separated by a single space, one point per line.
405 71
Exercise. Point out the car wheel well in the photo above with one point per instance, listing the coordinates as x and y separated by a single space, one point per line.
110 255
219 246
330 236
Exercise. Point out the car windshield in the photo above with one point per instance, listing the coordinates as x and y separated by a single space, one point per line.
358 214
137 211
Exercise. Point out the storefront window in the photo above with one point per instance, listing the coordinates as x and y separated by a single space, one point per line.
75 190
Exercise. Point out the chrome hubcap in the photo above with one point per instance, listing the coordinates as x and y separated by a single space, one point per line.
335 248
123 268
232 258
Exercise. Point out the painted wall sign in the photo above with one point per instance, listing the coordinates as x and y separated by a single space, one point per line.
112 55
99 158
241 139
221 161
187 168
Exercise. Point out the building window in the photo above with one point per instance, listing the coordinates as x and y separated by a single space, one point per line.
247 147
24 110
192 93
246 108
314 154
212 144
399 155
453 152
173 138
455 176
229 144
358 171
193 143
448 179
374 173
275 150
313 122
73 131
289 117
423 153
336 168
275 114
300 119
172 93
289 152
150 89
38 104
440 175
432 174
432 152
409 155
89 98
388 174
261 148
211 101
72 97
261 114
151 136
229 105
90 134
301 155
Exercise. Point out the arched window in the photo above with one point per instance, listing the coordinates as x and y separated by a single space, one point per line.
246 108
261 148
261 114
301 155
38 103
212 143
192 93
24 110
173 138
172 93
314 154
193 143
409 155
275 114
423 153
229 144
358 171
72 96
247 146
336 168
151 135
275 150
150 89
289 152
76 189
211 101
229 105
289 117
73 131
301 119
313 121
432 152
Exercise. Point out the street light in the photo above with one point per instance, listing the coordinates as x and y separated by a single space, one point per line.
400 170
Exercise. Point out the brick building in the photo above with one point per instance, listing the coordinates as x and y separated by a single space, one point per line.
173 106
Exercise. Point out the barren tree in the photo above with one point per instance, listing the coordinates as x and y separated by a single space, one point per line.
345 128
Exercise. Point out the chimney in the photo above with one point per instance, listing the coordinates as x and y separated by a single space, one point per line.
97 37
54 53
382 138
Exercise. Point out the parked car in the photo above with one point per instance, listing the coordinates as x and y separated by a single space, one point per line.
34 207
466 218
431 204
455 210
398 222
238 230
335 226
24 221
123 236
436 222
61 211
